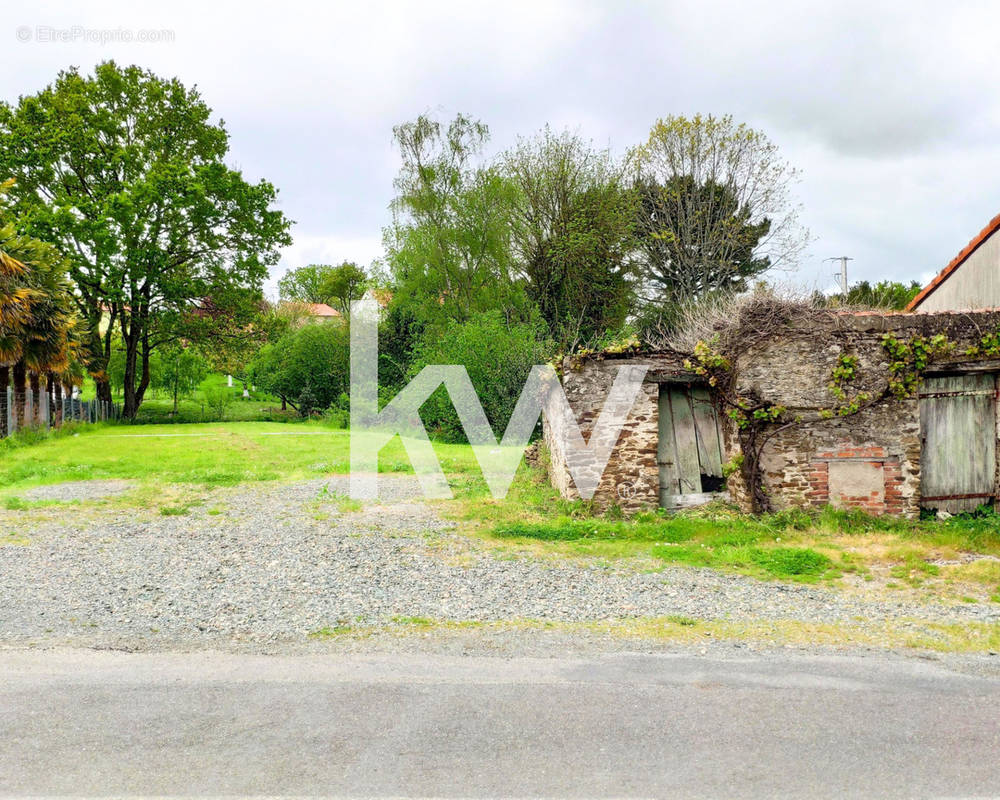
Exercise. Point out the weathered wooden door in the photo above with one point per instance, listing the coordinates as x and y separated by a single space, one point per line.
689 452
959 441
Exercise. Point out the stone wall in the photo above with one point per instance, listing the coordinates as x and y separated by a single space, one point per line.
870 460
631 479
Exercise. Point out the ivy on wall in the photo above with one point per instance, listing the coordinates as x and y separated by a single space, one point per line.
758 420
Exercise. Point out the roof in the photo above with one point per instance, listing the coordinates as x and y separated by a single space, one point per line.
956 262
322 310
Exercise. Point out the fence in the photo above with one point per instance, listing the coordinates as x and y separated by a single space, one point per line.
53 412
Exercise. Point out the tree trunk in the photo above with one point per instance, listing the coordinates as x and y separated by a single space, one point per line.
4 383
103 389
18 375
130 404
68 392
57 409
136 382
36 399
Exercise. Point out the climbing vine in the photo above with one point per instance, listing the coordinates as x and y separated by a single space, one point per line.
758 421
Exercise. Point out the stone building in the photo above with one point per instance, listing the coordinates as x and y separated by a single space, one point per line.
934 447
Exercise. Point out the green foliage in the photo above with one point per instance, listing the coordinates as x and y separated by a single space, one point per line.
908 359
308 367
219 399
344 285
305 284
178 372
889 295
498 357
845 371
572 223
449 244
989 345
713 211
150 217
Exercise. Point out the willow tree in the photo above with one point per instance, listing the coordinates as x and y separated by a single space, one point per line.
448 245
125 173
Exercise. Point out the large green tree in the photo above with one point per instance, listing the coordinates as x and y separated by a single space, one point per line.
124 171
572 223
308 367
449 245
305 284
344 285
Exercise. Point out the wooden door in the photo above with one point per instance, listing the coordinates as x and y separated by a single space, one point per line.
689 451
959 439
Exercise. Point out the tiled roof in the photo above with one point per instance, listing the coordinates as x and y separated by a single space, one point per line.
956 262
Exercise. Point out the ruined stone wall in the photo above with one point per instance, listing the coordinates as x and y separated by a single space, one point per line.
870 460
631 479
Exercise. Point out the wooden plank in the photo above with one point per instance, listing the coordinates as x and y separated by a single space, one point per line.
680 501
688 465
706 426
666 449
958 433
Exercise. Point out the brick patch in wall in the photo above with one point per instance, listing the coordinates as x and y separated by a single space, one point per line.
856 478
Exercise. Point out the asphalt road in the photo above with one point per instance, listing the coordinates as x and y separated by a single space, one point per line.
106 723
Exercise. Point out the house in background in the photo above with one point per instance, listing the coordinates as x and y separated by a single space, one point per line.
971 281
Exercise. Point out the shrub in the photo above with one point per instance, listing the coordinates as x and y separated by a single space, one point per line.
218 399
498 357
307 367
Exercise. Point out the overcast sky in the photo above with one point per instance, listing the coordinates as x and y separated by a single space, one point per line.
891 111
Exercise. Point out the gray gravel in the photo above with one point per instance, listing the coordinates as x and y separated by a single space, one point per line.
255 566
78 490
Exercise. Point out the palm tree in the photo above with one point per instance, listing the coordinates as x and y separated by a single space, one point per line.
36 316
15 309
67 378
46 339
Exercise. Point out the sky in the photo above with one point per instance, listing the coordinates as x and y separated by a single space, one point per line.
889 111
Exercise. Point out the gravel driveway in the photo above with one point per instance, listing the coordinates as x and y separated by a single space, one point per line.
265 564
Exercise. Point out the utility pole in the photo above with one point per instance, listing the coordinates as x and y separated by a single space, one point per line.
843 272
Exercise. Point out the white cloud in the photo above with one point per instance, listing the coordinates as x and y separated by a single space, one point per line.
890 109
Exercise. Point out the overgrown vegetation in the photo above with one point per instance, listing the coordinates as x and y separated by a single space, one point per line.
829 546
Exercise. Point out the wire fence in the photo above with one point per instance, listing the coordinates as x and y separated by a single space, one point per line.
47 411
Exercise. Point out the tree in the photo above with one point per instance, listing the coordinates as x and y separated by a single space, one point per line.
449 243
343 285
124 172
572 231
180 371
714 208
37 323
305 284
312 360
884 294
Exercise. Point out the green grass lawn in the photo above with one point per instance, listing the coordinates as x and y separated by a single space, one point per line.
207 454
158 407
